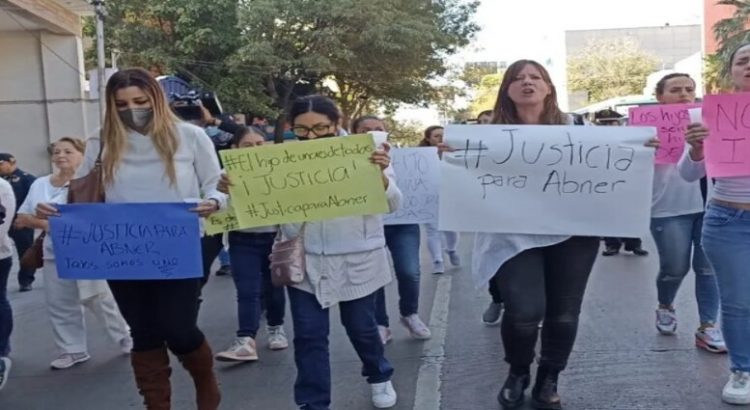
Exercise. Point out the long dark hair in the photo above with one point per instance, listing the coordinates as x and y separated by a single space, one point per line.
315 103
505 111
243 131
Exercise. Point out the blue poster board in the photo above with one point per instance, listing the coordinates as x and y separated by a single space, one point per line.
127 241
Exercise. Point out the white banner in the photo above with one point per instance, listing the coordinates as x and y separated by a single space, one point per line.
418 176
567 180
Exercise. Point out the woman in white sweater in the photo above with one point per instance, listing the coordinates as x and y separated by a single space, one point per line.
66 298
152 156
345 259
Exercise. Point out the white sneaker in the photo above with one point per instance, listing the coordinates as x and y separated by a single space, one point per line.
385 334
277 338
737 389
68 360
454 258
383 395
438 268
126 345
5 365
710 339
666 321
416 327
242 350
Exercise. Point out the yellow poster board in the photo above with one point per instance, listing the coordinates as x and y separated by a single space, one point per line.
221 222
305 181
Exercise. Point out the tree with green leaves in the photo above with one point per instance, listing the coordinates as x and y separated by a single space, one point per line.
188 38
395 50
258 55
486 93
730 32
610 68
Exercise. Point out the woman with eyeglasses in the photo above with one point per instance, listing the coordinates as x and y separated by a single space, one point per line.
344 258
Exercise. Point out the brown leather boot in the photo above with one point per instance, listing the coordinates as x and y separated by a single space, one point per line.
152 371
200 364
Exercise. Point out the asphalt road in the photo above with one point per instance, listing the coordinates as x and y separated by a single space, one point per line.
619 362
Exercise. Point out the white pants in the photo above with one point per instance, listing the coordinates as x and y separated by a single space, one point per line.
65 305
438 241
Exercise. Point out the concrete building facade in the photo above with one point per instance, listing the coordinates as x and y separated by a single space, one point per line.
671 45
42 79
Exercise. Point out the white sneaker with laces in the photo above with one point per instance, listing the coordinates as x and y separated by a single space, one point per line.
242 350
737 389
126 345
416 327
68 360
666 321
383 395
277 338
385 334
710 339
454 258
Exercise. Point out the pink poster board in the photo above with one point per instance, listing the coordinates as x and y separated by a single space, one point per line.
670 122
727 149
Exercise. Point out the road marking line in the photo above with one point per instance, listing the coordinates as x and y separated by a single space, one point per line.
428 395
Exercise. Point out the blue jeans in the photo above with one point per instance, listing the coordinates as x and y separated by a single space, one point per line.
677 239
726 240
250 271
6 314
312 389
403 242
224 257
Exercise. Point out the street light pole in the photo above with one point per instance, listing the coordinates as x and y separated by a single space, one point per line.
100 59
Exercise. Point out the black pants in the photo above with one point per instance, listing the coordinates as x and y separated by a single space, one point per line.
545 284
23 239
160 312
210 248
616 243
495 291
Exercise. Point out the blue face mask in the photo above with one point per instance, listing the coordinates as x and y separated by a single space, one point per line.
213 132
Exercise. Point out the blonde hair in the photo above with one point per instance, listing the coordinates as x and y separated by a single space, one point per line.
162 130
77 143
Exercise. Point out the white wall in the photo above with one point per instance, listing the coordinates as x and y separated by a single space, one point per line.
41 95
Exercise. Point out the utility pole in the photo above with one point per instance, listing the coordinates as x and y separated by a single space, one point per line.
100 59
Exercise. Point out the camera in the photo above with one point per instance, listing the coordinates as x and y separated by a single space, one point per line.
188 105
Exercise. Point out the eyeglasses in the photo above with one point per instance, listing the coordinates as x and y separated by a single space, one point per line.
320 130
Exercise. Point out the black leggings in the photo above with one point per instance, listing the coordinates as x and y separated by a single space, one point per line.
160 312
545 284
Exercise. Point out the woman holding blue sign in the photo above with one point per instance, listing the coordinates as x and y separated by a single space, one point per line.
149 155
66 298
726 239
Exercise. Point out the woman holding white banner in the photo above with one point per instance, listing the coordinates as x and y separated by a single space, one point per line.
439 241
726 240
676 222
403 243
541 277
66 298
